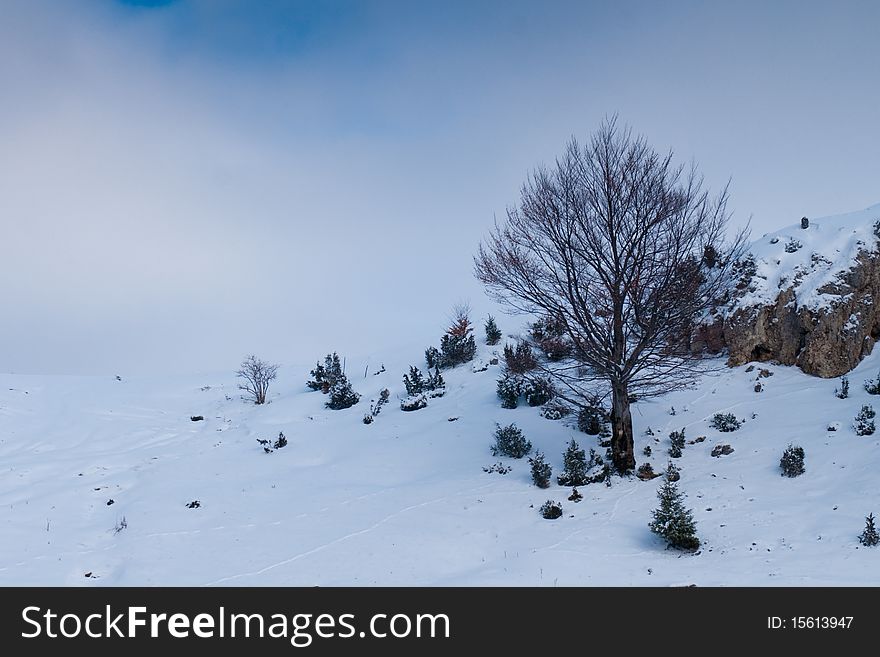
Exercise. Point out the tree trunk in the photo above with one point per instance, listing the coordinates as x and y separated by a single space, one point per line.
622 449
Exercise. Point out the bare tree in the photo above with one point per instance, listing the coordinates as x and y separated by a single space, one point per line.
624 249
256 375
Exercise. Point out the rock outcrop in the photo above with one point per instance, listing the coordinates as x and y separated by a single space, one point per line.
807 298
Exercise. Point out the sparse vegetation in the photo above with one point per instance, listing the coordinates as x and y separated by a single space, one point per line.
792 461
869 537
256 376
550 510
843 391
510 441
541 471
493 333
672 521
864 422
725 422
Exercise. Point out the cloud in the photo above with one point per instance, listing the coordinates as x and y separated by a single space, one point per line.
182 184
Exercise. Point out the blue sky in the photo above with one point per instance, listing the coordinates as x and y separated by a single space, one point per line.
173 173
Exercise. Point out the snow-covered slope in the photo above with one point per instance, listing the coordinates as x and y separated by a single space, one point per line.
405 501
810 259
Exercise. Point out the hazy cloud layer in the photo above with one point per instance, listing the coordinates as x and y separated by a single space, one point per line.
185 183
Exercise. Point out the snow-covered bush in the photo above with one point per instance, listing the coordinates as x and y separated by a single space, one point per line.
500 468
510 441
519 359
541 471
555 411
324 376
508 389
725 422
457 345
869 537
432 357
575 466
676 443
414 403
872 386
792 245
342 395
672 473
843 391
550 510
281 441
792 461
647 450
591 419
646 472
672 521
493 333
414 382
538 391
864 422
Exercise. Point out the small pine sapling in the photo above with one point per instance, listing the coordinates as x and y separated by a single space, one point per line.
864 422
541 471
869 537
672 521
843 391
510 441
676 442
493 333
550 510
575 466
792 461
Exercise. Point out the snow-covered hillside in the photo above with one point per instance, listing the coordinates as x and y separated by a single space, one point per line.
811 260
405 500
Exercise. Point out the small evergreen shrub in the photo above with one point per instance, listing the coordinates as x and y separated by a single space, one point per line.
672 473
864 422
324 376
281 441
551 510
555 411
676 443
725 422
500 468
519 359
493 333
376 406
792 461
457 346
510 441
647 451
872 386
342 395
575 495
843 391
672 521
538 391
574 461
646 472
792 245
541 471
414 381
435 384
432 357
591 419
508 390
413 403
869 537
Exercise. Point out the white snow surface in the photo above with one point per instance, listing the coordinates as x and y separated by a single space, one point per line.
827 249
405 501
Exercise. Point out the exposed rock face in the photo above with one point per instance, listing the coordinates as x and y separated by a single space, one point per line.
805 297
825 341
